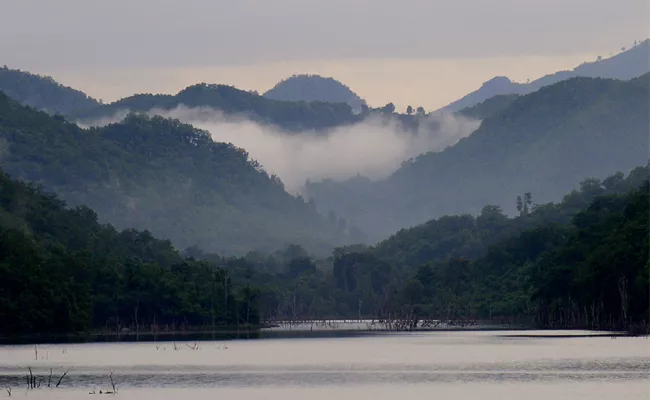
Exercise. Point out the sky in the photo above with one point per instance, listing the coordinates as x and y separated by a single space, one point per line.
418 52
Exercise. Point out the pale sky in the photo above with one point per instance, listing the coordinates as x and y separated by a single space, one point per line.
419 52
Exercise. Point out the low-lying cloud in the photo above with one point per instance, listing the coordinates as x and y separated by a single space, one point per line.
374 148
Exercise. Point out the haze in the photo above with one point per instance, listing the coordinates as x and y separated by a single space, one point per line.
374 148
415 52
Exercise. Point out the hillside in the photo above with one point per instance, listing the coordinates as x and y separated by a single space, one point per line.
489 107
543 143
542 268
290 116
626 65
314 88
42 92
161 175
63 272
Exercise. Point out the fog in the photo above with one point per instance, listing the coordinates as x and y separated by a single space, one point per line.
374 148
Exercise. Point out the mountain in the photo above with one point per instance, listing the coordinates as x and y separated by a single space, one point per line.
311 88
467 236
489 107
43 92
626 65
544 143
63 272
164 176
288 115
579 263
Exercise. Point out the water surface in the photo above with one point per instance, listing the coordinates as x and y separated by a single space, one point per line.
447 365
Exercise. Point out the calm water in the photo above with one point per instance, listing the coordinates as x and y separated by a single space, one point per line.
439 365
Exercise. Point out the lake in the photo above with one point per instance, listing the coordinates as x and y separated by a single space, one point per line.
482 365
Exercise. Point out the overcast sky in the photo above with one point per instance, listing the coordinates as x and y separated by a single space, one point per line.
113 48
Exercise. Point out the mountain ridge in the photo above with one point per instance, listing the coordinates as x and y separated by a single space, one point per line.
543 143
626 65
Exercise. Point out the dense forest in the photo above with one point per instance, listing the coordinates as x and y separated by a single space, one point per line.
495 247
543 143
64 272
582 262
164 176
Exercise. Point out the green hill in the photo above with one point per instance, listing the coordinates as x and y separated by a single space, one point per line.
43 92
160 175
288 115
63 272
579 263
543 143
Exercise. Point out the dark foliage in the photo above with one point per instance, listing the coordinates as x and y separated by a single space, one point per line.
63 272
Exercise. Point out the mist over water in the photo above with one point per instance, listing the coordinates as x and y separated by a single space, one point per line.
374 148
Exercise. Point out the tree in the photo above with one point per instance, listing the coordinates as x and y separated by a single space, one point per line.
420 111
528 202
388 108
409 110
520 205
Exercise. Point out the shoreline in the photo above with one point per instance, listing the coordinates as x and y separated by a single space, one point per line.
296 330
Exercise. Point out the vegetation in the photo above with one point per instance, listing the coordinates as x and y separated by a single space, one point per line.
43 92
288 115
580 263
164 176
490 107
64 272
543 143
312 88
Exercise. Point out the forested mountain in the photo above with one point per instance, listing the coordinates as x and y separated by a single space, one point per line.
489 107
543 143
164 176
579 263
628 64
288 115
63 272
43 92
315 88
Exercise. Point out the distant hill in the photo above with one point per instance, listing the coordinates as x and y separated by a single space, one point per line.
43 92
626 65
544 143
489 107
288 115
315 88
164 176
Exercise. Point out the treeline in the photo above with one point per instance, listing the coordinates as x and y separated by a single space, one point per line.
582 262
64 272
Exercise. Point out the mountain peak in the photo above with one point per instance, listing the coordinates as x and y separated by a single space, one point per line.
309 88
498 82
